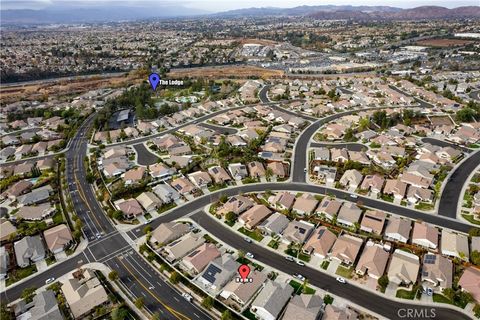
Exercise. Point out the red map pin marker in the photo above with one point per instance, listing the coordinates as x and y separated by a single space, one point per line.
244 271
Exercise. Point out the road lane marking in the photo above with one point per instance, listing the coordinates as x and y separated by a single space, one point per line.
175 313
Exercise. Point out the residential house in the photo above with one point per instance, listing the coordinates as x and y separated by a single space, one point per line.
183 186
278 169
134 176
256 169
36 196
29 250
373 221
326 174
335 313
437 271
396 188
200 179
130 208
238 171
346 249
320 242
398 229
403 267
219 175
236 204
373 261
454 245
303 306
7 229
199 258
321 154
329 208
58 238
282 200
425 235
416 194
84 292
297 232
251 218
339 155
149 201
274 224
271 300
161 171
218 273
179 248
470 282
166 193
167 232
241 294
349 214
351 179
44 306
373 183
17 189
305 204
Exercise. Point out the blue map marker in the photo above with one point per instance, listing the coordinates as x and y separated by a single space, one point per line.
154 79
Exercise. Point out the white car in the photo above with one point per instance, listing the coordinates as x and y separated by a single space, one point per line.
49 280
187 297
289 258
98 235
300 263
249 255
341 280
299 276
354 196
305 170
247 239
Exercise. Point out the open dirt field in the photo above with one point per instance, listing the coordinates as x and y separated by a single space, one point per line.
225 72
64 87
444 42
441 120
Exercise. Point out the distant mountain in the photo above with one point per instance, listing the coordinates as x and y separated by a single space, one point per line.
93 14
331 12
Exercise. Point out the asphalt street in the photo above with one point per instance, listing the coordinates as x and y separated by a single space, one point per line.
367 299
144 156
219 129
348 146
442 143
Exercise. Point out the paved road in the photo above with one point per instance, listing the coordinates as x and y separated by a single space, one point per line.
442 143
219 129
350 146
144 156
364 298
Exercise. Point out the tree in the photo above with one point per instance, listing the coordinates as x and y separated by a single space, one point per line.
449 293
207 302
474 232
113 275
175 277
28 294
230 216
118 215
227 315
118 313
5 313
327 299
139 302
383 281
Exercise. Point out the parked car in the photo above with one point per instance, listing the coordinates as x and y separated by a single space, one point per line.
429 291
187 297
98 235
247 239
300 262
299 276
354 196
289 258
49 280
249 255
341 280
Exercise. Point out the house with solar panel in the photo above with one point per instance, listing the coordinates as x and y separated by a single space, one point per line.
218 273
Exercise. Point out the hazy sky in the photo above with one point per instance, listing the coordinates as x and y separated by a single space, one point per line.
219 5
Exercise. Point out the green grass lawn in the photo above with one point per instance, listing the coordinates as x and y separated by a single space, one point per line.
470 218
230 222
325 265
216 187
304 257
57 218
344 272
20 273
405 294
50 260
298 287
273 244
424 206
255 235
440 298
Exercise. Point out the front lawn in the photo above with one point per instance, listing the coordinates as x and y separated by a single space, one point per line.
325 264
406 294
344 272
273 244
470 218
440 298
20 273
424 206
255 235
298 288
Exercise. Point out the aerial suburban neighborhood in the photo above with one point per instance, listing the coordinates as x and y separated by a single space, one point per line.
309 161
